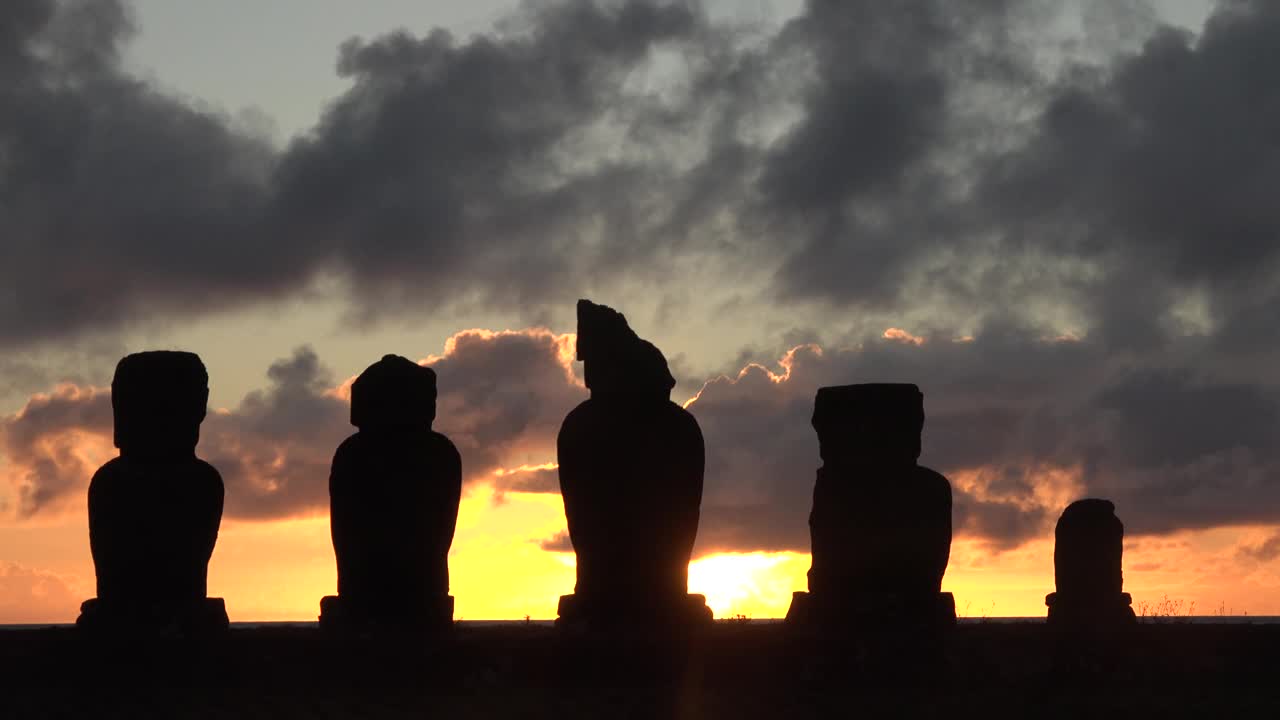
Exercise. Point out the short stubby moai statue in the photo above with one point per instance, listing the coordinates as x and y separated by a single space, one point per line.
155 510
1087 557
631 466
880 527
394 490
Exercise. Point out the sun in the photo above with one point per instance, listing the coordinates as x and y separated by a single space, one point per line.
756 585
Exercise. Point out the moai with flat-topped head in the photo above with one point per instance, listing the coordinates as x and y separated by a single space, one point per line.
631 465
155 510
881 524
394 490
1087 556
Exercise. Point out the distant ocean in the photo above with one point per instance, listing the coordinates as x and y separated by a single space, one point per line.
1189 620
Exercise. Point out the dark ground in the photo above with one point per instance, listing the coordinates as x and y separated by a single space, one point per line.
733 670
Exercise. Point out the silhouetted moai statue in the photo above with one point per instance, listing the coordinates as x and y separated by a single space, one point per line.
631 465
881 524
154 511
1089 543
393 497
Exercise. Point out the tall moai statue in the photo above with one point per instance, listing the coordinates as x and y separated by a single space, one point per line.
631 466
394 490
1087 557
155 510
880 527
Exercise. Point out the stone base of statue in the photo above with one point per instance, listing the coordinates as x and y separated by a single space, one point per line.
1090 634
200 618
923 610
875 637
1074 612
678 613
648 641
341 615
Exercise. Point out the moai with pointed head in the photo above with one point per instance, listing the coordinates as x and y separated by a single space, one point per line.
881 524
155 510
1087 557
394 490
631 466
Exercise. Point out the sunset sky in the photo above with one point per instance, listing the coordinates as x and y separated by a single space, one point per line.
1058 218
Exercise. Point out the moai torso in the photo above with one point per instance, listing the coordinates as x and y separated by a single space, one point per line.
880 529
152 529
394 491
1088 549
154 512
631 476
880 522
631 467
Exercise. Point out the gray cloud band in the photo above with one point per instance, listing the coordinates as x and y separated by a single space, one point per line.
500 407
1016 457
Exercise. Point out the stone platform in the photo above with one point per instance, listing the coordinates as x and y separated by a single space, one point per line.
936 610
681 612
735 669
340 615
1077 612
199 618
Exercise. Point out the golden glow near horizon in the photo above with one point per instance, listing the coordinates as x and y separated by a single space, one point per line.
279 570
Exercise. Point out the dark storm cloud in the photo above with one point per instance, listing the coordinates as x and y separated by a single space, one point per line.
887 156
516 169
1159 169
454 170
925 160
116 202
857 182
450 171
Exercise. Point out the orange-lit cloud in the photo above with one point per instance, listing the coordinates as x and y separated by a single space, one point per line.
902 336
33 596
502 396
52 445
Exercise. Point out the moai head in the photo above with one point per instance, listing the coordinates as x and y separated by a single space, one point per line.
1088 549
394 392
616 362
158 400
874 422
